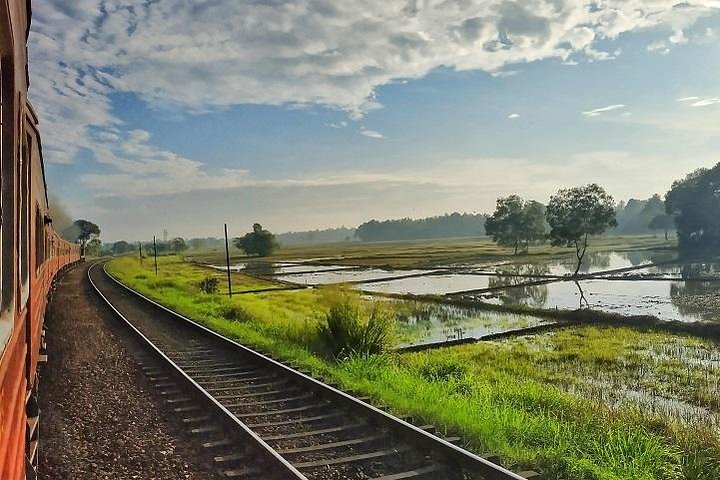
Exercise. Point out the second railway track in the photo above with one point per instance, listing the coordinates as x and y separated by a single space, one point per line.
264 419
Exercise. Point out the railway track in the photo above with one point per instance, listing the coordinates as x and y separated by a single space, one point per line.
263 419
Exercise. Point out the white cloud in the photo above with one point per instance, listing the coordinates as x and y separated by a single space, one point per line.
659 46
602 110
370 133
513 116
706 102
505 73
201 56
699 101
337 125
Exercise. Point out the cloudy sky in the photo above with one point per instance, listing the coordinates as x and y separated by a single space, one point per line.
184 114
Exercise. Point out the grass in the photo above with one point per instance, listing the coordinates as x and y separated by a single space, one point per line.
417 254
534 401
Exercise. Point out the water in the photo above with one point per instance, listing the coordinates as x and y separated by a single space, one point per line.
280 268
689 270
595 262
442 284
345 276
426 322
665 299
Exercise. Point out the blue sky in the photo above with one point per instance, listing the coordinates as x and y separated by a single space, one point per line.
314 114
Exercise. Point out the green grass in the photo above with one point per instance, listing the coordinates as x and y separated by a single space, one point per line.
414 254
532 400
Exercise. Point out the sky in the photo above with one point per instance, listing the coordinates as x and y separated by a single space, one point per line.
185 114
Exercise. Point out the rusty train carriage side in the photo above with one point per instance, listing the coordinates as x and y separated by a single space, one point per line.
31 255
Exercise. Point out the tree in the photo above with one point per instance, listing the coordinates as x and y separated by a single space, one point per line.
121 247
695 202
258 242
664 222
177 244
533 230
575 214
516 223
93 247
82 232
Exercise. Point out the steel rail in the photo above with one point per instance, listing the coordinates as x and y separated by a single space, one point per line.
277 461
446 451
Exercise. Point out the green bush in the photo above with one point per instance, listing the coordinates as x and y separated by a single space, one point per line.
351 328
209 284
235 313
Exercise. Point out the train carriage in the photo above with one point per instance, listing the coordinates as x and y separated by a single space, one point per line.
32 253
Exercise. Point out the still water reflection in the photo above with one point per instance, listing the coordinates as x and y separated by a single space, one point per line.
427 322
667 300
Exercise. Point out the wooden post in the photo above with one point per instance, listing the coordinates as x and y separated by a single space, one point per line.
227 262
155 251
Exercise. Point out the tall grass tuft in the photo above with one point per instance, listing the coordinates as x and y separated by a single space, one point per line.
209 284
235 313
353 328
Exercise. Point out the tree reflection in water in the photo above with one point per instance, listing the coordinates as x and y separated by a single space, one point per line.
513 282
697 298
424 316
583 300
264 269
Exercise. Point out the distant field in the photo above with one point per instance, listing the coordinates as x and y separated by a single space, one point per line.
427 253
580 403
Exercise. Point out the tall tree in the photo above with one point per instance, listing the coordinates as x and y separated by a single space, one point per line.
695 202
516 223
258 242
664 221
575 214
178 244
82 231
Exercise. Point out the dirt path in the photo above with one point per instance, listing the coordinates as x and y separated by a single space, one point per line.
101 419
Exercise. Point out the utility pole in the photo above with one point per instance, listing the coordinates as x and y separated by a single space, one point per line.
155 249
227 262
140 248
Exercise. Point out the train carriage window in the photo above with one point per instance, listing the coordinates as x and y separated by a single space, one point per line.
23 211
39 239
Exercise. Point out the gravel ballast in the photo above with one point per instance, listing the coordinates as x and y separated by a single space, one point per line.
100 416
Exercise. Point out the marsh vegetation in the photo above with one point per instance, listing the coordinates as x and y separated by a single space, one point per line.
581 402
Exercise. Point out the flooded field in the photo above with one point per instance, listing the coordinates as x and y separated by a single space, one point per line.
281 268
643 282
443 284
346 276
667 300
421 323
658 376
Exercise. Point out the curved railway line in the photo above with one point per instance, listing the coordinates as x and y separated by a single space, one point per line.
265 419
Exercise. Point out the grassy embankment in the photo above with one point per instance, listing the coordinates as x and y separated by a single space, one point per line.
414 254
511 398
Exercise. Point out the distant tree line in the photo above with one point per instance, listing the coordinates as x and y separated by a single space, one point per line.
328 235
443 226
635 216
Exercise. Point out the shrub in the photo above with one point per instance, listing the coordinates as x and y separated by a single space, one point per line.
235 313
351 328
209 284
443 370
